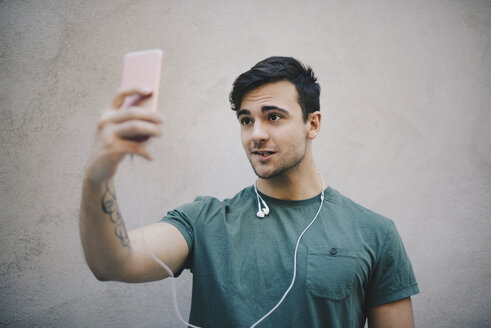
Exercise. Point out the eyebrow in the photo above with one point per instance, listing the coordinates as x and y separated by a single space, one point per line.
264 109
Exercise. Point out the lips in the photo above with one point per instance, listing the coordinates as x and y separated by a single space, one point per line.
263 154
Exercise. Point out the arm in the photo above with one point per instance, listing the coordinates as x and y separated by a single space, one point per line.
398 314
111 252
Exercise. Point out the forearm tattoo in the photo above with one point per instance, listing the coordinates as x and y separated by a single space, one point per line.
110 207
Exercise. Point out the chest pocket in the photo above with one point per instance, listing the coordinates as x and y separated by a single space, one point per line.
331 272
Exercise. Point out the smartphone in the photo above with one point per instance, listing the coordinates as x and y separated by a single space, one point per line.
142 70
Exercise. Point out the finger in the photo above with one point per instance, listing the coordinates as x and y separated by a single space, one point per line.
123 93
136 113
130 129
112 116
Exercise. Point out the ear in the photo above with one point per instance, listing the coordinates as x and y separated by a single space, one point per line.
313 124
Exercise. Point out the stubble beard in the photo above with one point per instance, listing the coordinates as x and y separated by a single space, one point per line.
285 165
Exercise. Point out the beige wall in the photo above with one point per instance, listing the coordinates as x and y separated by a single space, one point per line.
406 132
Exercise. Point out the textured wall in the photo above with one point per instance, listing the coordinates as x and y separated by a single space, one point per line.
406 132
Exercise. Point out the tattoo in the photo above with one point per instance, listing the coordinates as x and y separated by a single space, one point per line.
110 207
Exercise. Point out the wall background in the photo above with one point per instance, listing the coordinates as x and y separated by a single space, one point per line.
406 132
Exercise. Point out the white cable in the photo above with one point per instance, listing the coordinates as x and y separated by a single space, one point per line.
171 274
294 261
163 265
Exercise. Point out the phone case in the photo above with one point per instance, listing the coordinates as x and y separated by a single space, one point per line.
142 70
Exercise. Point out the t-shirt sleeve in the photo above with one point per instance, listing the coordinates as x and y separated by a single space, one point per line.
184 218
393 277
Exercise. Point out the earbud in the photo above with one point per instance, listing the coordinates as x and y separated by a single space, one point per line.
262 212
265 209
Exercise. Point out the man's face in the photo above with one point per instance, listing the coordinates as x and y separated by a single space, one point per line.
273 132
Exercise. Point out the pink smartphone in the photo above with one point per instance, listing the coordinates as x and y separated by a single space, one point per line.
142 70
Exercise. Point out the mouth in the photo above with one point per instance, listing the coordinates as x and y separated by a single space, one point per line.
263 154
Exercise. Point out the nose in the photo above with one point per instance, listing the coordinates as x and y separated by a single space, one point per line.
259 132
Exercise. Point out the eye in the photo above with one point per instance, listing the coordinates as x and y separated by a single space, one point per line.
245 121
274 117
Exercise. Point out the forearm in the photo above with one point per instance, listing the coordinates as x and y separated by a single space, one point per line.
104 237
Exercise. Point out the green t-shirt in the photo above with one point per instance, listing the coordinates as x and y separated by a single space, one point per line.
349 260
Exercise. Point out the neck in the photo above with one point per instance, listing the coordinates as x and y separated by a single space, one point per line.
301 182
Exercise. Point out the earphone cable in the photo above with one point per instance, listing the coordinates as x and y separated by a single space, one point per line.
294 260
160 262
171 274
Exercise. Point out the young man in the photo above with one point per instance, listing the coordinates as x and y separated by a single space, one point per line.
293 245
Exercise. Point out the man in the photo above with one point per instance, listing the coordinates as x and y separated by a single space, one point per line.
291 253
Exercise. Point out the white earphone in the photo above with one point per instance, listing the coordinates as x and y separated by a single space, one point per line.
261 214
262 211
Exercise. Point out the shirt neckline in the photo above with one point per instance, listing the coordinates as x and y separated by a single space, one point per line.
303 202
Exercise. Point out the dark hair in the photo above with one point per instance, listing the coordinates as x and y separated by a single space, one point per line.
275 69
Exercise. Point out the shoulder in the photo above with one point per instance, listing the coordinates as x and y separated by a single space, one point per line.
203 211
372 232
357 214
208 205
